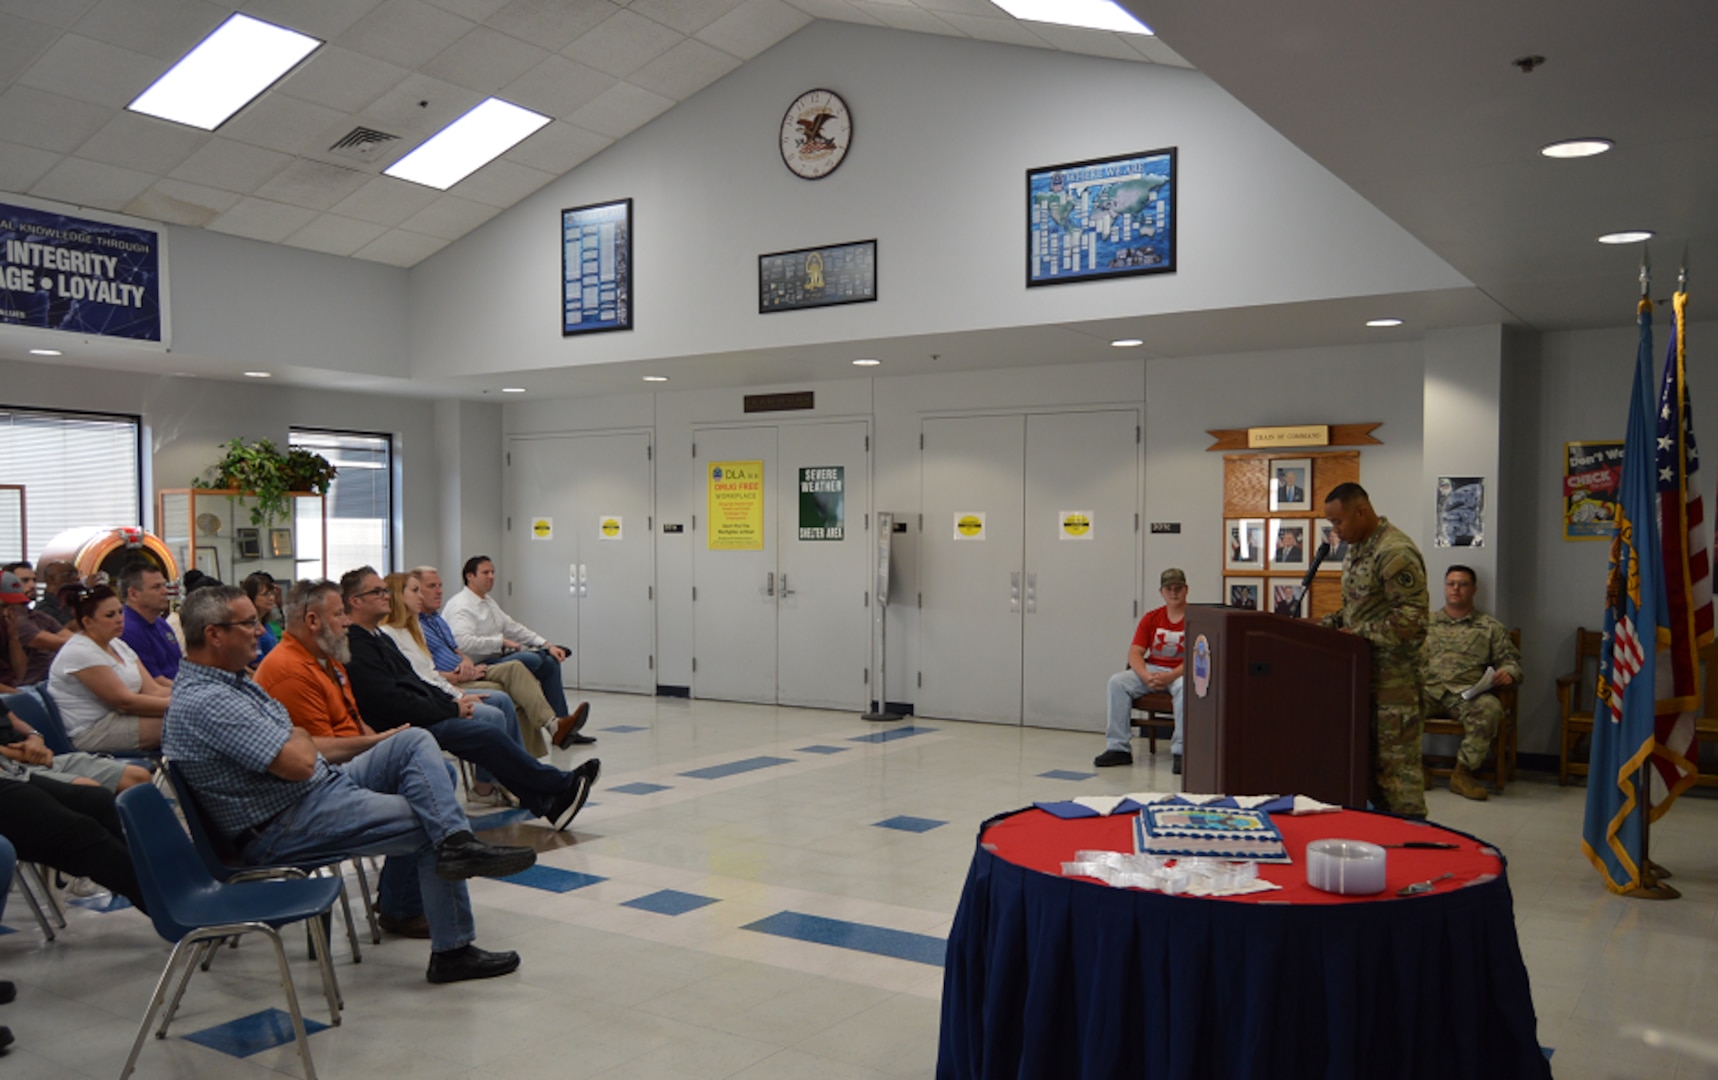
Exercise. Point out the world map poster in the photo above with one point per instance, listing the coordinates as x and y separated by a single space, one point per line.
1102 218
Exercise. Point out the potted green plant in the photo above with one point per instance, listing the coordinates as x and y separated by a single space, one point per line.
260 469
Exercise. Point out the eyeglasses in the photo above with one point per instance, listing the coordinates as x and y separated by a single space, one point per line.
249 624
380 590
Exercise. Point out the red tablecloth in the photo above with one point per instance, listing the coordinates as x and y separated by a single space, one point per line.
1040 841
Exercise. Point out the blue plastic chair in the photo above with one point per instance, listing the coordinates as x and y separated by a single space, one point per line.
36 707
196 912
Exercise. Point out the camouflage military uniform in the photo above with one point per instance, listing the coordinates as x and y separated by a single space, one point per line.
1384 601
1457 653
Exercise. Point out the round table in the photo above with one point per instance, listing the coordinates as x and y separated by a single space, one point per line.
1052 976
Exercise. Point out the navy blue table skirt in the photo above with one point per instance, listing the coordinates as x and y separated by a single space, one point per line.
1060 978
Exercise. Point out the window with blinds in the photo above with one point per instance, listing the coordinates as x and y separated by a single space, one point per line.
76 469
360 501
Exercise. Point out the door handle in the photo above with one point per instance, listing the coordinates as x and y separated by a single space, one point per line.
584 589
785 591
573 580
1014 592
769 583
1032 593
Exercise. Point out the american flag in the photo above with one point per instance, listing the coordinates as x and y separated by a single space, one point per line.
1686 540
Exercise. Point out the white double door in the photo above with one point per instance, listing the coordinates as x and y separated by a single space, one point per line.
1024 620
788 623
580 563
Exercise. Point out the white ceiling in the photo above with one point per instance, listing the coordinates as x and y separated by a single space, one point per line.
600 68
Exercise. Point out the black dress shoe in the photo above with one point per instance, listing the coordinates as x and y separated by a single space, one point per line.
415 926
1175 765
5 1038
470 962
571 801
463 855
568 727
8 991
577 739
1113 757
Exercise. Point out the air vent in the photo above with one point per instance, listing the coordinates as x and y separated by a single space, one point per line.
363 144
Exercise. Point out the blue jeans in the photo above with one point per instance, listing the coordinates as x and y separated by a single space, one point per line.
395 799
497 709
1124 687
498 752
8 862
547 670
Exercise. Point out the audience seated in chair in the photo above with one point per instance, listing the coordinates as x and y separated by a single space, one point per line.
1155 662
1461 644
106 698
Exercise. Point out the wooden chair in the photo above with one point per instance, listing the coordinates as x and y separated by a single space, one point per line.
1503 744
1155 714
1576 700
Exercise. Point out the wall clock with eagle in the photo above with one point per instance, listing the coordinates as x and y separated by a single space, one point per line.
816 134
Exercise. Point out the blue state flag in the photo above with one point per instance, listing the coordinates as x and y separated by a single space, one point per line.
1623 722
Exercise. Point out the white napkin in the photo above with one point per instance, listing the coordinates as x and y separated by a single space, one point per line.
1146 798
1248 802
1304 805
1201 800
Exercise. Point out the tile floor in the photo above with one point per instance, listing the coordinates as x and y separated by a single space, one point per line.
728 906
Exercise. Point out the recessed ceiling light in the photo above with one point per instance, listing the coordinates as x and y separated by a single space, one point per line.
1576 148
1383 322
46 352
866 363
1127 343
656 378
259 374
1632 236
1090 14
512 389
225 72
468 144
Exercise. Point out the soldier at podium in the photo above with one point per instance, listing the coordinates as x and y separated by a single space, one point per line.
1384 601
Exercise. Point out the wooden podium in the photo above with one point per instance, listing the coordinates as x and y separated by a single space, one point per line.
1286 708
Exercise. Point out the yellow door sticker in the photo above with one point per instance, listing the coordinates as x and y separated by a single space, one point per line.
542 528
609 526
969 525
1076 525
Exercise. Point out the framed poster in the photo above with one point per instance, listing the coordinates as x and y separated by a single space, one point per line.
1107 217
1288 544
596 268
823 503
248 542
817 277
1291 484
1332 563
1247 593
1244 540
1460 511
1592 483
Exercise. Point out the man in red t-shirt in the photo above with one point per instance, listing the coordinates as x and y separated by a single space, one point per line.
1154 663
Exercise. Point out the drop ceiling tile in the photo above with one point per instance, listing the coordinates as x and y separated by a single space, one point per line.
23 41
22 166
553 24
450 217
1076 39
48 121
231 165
313 185
485 60
90 183
143 143
686 16
61 13
985 28
400 248
963 7
261 219
164 29
323 20
501 183
405 32
621 110
905 18
753 27
475 10
623 43
1153 49
558 147
287 124
180 203
558 87
342 79
334 235
386 201
419 106
839 10
684 70
93 71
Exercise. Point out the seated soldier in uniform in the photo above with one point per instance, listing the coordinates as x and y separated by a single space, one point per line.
1461 643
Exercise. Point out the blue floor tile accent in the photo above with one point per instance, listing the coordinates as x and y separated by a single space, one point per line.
248 1034
624 728
641 788
101 903
860 937
733 768
1066 774
553 878
821 750
909 823
499 818
1547 1051
670 902
8 930
892 734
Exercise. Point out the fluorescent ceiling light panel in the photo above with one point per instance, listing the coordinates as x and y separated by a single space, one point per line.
468 144
1576 148
1089 14
225 72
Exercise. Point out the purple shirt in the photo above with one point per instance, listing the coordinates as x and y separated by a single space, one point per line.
153 643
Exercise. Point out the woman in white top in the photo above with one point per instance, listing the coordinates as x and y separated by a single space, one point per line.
106 700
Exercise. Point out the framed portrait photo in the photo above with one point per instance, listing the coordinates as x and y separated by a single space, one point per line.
1332 563
1291 484
1247 593
1244 544
1288 543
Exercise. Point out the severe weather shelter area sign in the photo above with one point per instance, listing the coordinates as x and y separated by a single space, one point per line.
822 503
59 272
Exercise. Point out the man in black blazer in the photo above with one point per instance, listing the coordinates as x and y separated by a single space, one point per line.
389 694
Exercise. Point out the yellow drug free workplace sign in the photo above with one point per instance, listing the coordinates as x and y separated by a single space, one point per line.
736 505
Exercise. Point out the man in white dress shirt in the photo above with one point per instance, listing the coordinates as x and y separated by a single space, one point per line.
489 635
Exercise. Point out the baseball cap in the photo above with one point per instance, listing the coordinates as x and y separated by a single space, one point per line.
1172 576
12 590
